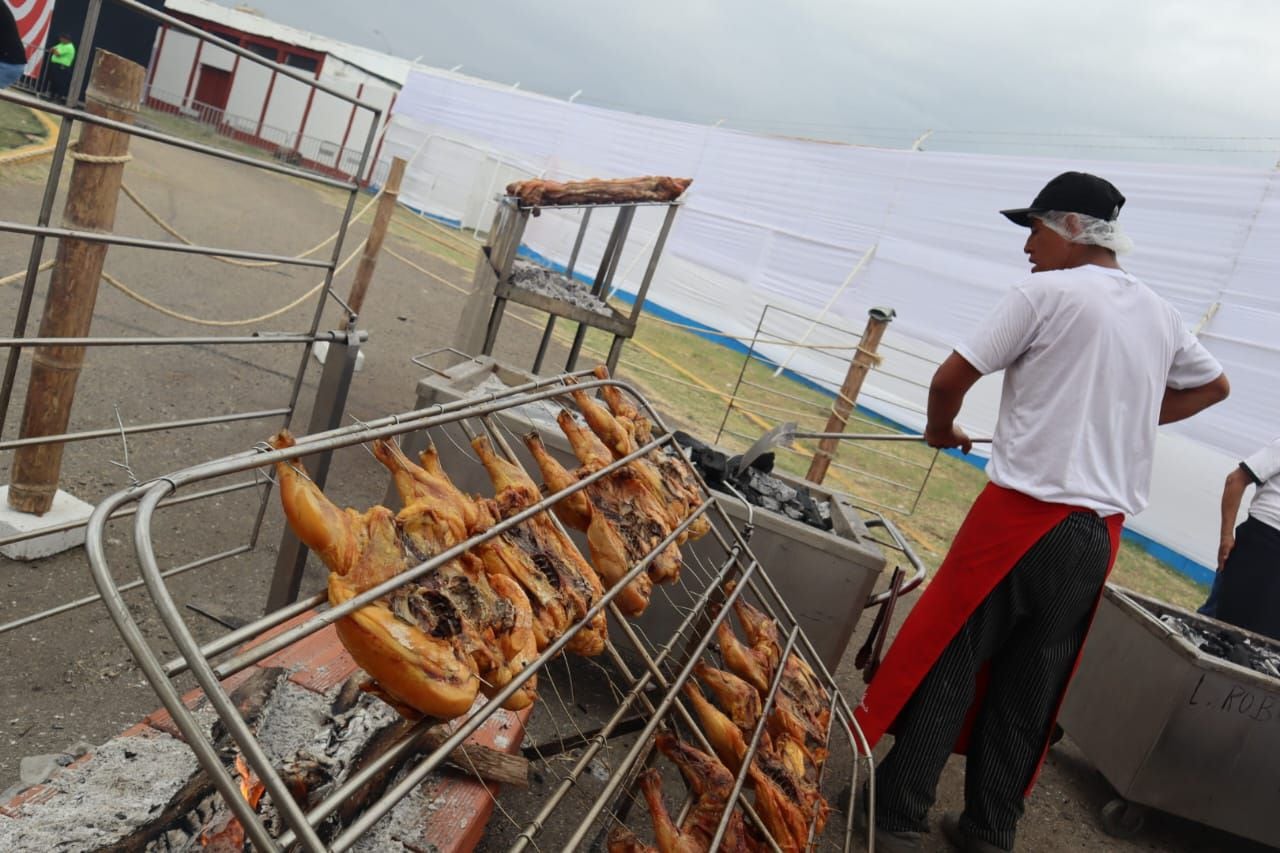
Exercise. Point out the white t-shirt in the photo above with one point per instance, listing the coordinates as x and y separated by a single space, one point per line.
1264 466
1087 354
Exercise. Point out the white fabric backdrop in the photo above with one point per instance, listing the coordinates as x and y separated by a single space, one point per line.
774 220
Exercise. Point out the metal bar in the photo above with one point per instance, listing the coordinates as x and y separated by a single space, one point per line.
134 430
57 161
186 722
611 204
905 547
652 266
12 96
161 245
248 631
604 275
287 71
80 602
754 743
236 727
867 436
618 776
211 340
72 525
551 318
411 779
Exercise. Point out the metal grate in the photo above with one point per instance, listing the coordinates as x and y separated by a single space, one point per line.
653 694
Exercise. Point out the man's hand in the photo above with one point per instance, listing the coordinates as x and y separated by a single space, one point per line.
1225 544
951 436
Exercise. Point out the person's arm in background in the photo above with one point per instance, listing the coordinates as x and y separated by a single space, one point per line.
1181 403
1232 493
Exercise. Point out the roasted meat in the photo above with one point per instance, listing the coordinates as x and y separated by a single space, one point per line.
761 630
629 509
725 737
711 784
539 192
737 697
783 819
491 618
675 481
538 555
742 660
416 672
611 525
623 840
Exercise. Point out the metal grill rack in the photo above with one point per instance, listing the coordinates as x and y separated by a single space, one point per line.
509 223
666 662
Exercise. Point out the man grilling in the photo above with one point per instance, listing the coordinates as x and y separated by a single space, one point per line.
1094 360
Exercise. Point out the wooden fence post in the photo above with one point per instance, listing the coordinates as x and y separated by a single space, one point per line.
377 231
115 88
864 359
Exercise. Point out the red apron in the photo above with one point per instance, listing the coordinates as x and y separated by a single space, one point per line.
1002 525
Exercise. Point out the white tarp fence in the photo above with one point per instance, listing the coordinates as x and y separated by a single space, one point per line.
774 220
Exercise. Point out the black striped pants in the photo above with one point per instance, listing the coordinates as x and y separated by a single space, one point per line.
1030 629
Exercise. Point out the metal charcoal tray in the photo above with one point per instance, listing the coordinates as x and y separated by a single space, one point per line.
1173 728
654 693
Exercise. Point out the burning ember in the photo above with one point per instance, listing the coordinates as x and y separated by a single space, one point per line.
227 834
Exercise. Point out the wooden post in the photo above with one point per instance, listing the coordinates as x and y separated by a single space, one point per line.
864 359
377 231
115 88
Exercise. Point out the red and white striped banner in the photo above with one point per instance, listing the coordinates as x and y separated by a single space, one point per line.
32 17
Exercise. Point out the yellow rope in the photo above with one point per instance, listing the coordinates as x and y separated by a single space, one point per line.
99 159
177 315
20 274
402 259
236 262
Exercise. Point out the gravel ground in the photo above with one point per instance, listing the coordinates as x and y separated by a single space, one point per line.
69 678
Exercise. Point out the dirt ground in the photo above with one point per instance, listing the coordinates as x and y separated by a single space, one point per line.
69 678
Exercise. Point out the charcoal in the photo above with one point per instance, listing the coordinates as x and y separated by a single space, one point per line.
1223 643
539 279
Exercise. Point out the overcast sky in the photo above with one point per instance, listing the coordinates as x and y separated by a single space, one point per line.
1090 79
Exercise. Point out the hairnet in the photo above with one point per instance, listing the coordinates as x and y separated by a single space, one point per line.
1087 230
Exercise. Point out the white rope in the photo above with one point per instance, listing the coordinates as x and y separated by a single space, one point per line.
862 262
98 159
21 274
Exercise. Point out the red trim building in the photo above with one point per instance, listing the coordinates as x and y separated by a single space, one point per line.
255 104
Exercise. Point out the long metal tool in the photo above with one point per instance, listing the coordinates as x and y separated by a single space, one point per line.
787 432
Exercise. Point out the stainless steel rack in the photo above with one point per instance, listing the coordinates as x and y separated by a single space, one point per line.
667 662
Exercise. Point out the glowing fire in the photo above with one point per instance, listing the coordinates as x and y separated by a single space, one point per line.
228 834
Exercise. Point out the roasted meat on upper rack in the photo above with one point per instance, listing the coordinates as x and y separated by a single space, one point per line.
540 556
416 672
490 617
541 192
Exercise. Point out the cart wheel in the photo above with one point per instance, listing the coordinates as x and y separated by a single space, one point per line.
1123 819
1056 736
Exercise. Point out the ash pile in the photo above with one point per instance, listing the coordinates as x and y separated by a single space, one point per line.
757 484
1225 644
538 279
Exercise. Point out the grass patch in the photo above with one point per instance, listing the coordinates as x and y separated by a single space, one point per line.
19 126
690 380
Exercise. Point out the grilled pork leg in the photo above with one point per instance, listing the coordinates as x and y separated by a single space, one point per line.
612 551
539 555
491 618
626 503
419 673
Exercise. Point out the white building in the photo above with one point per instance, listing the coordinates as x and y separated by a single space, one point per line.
256 104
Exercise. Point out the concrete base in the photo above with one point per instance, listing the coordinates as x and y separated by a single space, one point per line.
66 508
321 351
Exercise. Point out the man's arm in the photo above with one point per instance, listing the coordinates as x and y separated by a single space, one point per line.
951 382
1232 493
1182 403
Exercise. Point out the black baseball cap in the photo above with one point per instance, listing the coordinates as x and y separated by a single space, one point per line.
1072 192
